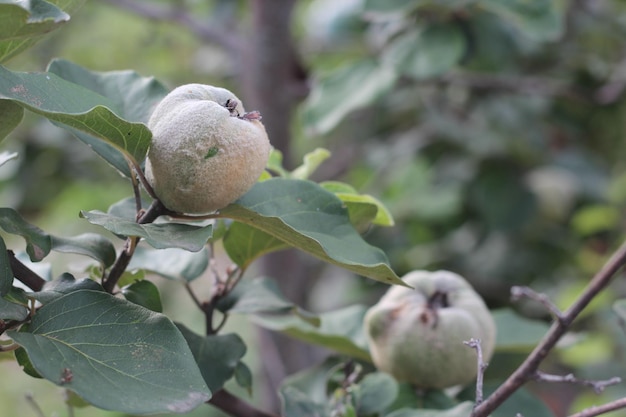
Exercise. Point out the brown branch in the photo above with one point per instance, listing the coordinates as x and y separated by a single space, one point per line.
520 292
221 36
529 367
24 274
235 406
121 263
602 409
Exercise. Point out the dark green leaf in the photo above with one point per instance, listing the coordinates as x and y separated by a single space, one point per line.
173 263
217 355
349 88
24 361
63 285
464 409
158 235
145 294
6 156
12 311
24 23
428 52
115 354
89 244
340 330
11 115
516 333
79 108
6 273
38 242
375 393
244 243
243 377
307 217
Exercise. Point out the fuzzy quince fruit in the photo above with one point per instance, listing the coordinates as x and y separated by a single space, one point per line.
206 150
417 334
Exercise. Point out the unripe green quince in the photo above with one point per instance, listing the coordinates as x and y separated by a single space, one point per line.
206 150
417 334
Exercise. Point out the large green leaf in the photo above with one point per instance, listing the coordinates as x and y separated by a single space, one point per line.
349 88
427 52
158 235
114 354
89 244
172 263
22 23
81 110
217 355
304 215
64 284
38 242
340 330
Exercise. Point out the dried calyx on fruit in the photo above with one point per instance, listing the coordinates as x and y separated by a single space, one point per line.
206 150
417 334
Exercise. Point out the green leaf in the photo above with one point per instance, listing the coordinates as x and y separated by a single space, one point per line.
539 20
158 235
464 409
173 263
304 215
89 244
11 116
82 110
275 163
258 296
6 273
340 330
63 285
6 156
12 311
243 377
375 393
217 356
113 353
23 23
296 403
244 243
516 333
359 204
24 361
145 294
38 242
311 162
389 6
345 90
427 52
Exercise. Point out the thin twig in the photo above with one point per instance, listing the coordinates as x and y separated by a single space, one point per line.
598 386
481 367
528 368
519 292
602 409
31 401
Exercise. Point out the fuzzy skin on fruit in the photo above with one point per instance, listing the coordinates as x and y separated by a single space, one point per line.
417 335
203 155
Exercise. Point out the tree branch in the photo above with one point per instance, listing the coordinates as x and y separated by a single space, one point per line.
528 368
481 367
602 409
24 274
598 386
121 263
235 406
218 35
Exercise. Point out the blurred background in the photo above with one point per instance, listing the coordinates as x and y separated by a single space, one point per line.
493 130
